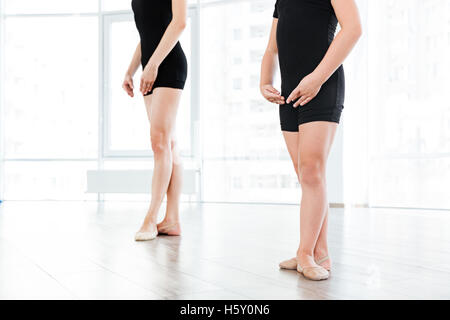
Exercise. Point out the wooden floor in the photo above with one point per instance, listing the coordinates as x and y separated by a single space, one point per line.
75 250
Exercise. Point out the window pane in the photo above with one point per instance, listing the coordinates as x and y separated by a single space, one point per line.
409 110
51 87
129 124
250 181
420 183
50 6
47 180
111 5
243 145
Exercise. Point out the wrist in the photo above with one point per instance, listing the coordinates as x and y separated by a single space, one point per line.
152 65
318 77
131 71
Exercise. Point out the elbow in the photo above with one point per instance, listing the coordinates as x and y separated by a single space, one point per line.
353 32
272 51
179 24
357 32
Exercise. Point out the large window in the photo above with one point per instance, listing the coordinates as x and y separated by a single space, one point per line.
51 87
50 104
409 103
398 139
244 154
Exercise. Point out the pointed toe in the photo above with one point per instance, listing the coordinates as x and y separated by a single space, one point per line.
290 264
145 236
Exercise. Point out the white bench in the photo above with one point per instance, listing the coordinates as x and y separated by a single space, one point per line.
134 181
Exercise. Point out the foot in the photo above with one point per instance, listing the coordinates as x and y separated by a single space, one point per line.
291 264
170 228
322 257
323 261
148 231
310 269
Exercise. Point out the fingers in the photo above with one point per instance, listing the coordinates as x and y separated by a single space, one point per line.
273 90
294 95
128 87
302 101
301 96
146 86
274 98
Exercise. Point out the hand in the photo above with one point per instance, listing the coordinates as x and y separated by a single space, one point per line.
306 90
128 85
148 78
271 94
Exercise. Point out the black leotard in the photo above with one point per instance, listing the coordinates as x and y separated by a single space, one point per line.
152 18
305 31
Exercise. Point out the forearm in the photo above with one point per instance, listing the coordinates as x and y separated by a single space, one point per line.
338 51
268 67
135 61
167 43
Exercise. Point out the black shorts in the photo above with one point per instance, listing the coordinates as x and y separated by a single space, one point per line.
291 118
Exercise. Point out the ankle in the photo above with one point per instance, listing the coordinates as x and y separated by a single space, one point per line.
320 253
305 253
150 219
172 218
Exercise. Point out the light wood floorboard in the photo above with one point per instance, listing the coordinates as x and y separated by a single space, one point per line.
85 250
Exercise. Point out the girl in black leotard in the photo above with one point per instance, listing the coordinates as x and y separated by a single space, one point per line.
311 102
160 24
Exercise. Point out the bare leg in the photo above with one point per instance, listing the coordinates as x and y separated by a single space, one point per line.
315 140
171 223
321 249
163 107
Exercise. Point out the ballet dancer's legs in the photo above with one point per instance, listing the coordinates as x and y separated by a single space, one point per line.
309 150
162 107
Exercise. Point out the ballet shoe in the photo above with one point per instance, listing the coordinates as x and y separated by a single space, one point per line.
169 229
317 273
291 264
146 236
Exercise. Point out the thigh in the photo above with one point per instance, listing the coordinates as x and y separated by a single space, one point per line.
315 140
291 139
148 106
164 108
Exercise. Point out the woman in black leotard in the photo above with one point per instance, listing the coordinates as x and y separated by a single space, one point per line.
160 24
311 102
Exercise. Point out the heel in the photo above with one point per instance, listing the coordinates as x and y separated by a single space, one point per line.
169 229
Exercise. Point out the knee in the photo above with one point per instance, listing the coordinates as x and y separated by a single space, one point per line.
312 174
176 159
160 141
